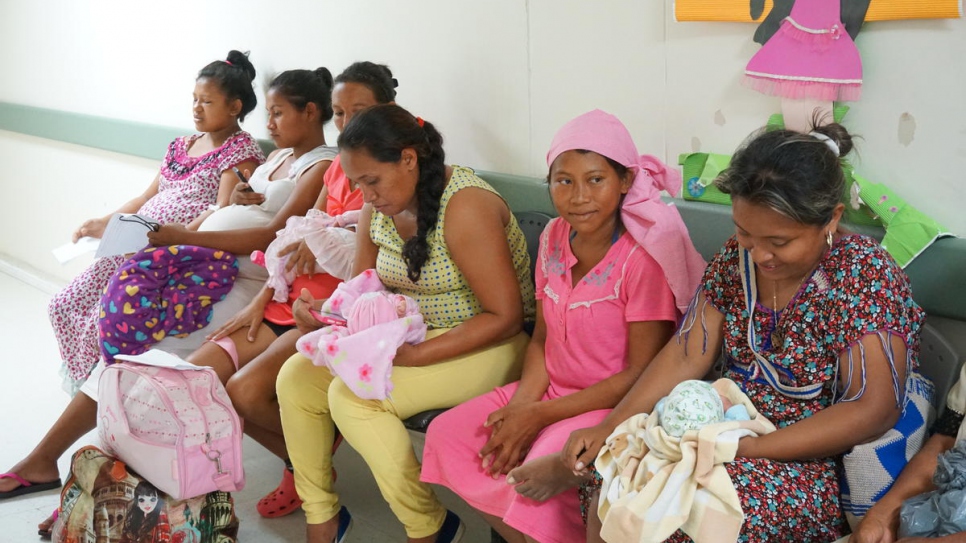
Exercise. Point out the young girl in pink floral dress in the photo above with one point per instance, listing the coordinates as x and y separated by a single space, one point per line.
195 173
614 273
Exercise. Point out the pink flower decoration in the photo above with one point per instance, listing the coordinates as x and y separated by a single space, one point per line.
894 209
883 198
332 348
365 373
335 303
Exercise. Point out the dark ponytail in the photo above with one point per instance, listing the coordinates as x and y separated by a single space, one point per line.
234 77
384 131
798 175
301 87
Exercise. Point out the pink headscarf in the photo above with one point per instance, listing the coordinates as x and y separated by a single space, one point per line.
654 225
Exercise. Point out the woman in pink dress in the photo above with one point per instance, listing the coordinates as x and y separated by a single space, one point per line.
616 260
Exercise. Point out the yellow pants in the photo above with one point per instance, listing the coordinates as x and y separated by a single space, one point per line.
312 402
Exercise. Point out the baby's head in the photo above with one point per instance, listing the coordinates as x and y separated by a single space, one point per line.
374 308
691 405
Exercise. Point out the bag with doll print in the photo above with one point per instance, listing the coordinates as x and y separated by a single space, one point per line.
103 500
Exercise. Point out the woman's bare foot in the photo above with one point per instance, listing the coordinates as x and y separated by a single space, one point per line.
322 533
542 478
333 530
47 525
33 470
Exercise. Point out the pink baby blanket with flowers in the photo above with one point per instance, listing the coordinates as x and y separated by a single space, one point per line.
378 322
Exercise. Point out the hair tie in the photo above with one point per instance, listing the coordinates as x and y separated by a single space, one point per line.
395 83
827 141
228 62
420 121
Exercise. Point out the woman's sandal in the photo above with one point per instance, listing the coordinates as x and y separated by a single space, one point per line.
47 533
281 501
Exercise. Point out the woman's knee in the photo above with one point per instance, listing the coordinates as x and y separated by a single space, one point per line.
347 407
249 394
297 378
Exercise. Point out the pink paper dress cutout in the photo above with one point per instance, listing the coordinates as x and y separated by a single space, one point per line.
810 57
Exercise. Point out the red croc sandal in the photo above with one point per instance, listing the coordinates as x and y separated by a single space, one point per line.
282 501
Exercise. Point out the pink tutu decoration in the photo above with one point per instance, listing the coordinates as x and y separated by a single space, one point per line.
810 57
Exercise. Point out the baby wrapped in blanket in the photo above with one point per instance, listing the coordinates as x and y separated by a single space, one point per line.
378 322
665 471
327 237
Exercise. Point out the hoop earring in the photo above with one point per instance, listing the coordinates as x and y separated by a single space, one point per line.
829 239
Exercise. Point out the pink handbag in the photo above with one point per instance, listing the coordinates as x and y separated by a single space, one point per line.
172 422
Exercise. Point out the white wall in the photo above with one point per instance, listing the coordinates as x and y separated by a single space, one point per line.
498 78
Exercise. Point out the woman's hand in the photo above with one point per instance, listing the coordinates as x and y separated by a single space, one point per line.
170 234
582 447
251 316
513 430
405 356
93 228
304 320
300 258
243 195
872 530
746 447
877 527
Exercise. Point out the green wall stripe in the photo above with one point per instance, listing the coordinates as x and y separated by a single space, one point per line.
126 137
935 275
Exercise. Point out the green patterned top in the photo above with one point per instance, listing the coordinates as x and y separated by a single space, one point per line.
445 298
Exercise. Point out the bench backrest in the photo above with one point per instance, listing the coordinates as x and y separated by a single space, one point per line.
936 275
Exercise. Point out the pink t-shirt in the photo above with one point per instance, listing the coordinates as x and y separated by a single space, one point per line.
587 324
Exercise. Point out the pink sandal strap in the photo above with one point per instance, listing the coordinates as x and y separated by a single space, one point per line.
16 477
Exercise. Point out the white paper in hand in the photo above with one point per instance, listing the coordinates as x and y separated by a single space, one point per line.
125 233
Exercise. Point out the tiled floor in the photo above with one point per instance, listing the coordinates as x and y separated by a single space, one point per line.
32 399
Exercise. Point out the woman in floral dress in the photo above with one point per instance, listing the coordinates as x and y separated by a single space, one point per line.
196 172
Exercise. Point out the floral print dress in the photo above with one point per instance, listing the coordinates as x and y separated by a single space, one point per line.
187 186
857 289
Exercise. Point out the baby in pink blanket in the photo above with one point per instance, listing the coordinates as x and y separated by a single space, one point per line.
329 239
378 322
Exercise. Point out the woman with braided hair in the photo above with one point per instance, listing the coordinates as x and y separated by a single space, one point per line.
442 236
